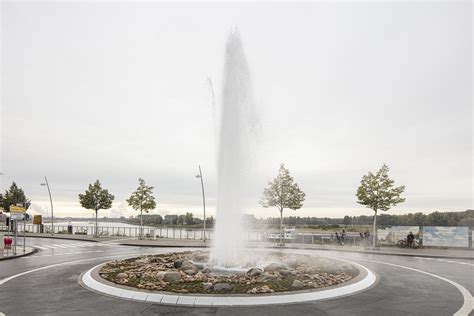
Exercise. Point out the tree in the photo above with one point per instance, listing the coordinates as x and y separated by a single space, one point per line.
142 200
283 193
95 198
377 192
189 219
13 196
181 219
347 220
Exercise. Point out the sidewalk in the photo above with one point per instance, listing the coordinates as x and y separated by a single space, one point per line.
393 251
425 252
19 252
190 243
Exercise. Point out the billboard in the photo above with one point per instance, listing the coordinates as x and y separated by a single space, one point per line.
446 236
395 233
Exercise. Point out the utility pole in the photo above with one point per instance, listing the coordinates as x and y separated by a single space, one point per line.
51 201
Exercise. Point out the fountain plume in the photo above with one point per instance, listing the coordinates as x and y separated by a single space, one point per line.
236 126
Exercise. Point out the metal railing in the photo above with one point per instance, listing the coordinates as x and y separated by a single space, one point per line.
298 237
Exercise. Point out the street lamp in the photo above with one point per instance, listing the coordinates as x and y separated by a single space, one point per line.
203 200
51 201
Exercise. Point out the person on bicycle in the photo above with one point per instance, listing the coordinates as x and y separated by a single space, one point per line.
339 241
410 239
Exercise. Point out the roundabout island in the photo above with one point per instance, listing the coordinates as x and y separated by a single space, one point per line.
189 278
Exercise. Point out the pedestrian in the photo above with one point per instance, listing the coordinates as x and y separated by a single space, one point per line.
367 237
410 240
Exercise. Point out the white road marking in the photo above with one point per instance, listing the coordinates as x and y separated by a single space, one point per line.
5 280
67 245
49 247
444 260
59 246
468 304
40 247
64 254
79 245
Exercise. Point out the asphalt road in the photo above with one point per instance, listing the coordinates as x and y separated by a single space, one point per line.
406 285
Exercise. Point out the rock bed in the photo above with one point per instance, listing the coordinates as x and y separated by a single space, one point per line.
185 272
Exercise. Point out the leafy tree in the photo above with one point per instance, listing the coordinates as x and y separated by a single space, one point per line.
377 192
13 196
95 198
142 200
171 219
418 219
189 219
468 221
283 193
181 219
346 220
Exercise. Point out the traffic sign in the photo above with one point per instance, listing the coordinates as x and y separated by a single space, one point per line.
17 209
16 216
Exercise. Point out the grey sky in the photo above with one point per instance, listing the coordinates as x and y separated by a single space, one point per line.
117 91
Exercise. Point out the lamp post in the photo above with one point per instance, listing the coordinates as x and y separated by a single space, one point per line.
51 201
203 200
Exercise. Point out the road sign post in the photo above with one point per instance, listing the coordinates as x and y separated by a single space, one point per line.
2 244
16 213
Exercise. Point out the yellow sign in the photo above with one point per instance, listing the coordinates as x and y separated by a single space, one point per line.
17 209
37 219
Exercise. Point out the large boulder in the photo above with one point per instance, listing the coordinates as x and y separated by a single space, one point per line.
168 276
121 276
254 272
160 275
266 277
190 272
297 284
200 257
222 287
207 285
199 266
187 265
275 267
177 264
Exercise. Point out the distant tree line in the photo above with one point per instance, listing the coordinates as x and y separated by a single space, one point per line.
170 220
465 218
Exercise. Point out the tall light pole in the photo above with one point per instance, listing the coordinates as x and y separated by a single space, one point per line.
51 201
203 200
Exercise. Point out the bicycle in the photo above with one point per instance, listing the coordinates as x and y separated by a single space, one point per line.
402 243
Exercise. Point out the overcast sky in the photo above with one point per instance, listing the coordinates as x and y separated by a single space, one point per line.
117 91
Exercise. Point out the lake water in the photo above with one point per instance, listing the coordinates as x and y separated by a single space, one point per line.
118 229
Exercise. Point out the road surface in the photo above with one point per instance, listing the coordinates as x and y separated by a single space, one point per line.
47 283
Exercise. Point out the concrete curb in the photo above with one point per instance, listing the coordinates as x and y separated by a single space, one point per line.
63 237
89 281
167 246
34 250
381 252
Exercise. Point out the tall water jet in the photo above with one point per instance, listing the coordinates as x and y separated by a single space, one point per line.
236 125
